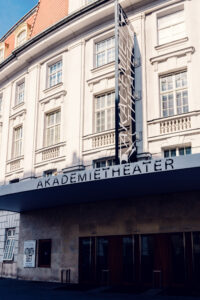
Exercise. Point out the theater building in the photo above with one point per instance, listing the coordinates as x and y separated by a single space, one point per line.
84 218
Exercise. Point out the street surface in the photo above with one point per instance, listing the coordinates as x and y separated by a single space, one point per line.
24 290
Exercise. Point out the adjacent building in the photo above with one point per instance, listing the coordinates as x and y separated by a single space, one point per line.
82 218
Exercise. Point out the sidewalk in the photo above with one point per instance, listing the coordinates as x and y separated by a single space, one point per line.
25 290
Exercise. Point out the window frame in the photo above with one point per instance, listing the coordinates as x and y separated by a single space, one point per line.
169 12
40 264
177 151
50 172
105 38
51 64
7 254
18 44
173 91
14 141
105 109
88 2
3 54
106 160
1 102
46 127
17 92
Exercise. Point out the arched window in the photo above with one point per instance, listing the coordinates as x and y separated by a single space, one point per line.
21 38
1 54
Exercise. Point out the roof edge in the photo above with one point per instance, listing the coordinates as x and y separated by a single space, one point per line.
28 14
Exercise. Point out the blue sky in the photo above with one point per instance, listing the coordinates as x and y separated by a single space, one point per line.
13 10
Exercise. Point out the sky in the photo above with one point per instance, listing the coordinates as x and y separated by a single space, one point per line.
13 10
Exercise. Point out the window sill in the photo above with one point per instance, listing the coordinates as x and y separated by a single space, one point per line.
44 148
53 87
96 69
18 105
188 114
172 43
14 159
95 134
8 261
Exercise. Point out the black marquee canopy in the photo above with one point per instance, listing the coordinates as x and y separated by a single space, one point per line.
129 181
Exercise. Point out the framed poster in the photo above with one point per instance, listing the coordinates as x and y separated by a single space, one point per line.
29 254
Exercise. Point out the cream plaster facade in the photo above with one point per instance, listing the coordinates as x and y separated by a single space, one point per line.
74 44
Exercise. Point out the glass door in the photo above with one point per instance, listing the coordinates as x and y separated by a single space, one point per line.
103 271
196 257
177 258
87 260
147 258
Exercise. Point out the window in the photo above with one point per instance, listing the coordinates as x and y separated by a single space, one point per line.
1 55
52 128
174 94
9 244
14 180
55 73
17 141
89 1
20 93
177 151
49 173
171 27
104 163
21 38
105 112
44 253
1 99
105 52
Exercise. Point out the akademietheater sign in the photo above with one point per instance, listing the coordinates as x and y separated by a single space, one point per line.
117 171
156 176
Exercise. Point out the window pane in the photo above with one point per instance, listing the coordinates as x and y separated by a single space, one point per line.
105 52
105 112
171 27
21 38
55 73
53 128
181 151
188 150
166 153
173 152
177 100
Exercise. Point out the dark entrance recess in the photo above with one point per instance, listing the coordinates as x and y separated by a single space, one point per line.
44 253
163 260
106 260
153 260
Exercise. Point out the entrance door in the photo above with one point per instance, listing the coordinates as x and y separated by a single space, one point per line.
162 260
196 257
106 260
115 262
87 260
